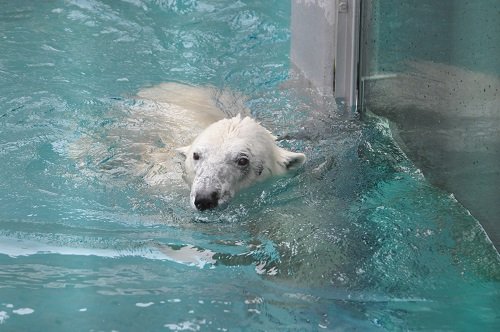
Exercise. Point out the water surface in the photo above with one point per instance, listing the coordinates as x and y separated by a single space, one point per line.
357 240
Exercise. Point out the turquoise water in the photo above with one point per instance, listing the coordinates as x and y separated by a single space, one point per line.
357 240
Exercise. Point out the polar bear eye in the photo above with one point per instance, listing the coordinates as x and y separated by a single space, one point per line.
242 161
196 156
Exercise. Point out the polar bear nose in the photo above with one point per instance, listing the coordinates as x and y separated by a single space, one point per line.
206 200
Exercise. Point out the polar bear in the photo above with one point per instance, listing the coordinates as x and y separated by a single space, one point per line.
232 154
209 131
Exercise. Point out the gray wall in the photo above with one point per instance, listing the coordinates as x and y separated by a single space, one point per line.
312 51
433 68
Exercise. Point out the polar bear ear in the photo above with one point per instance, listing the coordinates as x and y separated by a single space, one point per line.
184 150
292 160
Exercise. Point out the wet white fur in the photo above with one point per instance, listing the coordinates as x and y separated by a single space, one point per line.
220 146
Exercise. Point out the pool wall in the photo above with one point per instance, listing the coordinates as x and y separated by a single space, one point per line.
431 68
313 39
325 46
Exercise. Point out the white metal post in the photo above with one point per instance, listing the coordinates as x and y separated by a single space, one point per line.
325 38
347 51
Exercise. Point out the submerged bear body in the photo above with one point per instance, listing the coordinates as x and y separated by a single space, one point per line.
224 150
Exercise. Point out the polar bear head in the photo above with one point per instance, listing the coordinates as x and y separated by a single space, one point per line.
229 155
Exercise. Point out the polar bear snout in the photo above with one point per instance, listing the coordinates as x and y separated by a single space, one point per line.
206 200
209 188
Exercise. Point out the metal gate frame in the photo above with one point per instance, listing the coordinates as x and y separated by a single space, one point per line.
325 46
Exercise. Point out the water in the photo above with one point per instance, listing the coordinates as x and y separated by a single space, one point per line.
357 240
